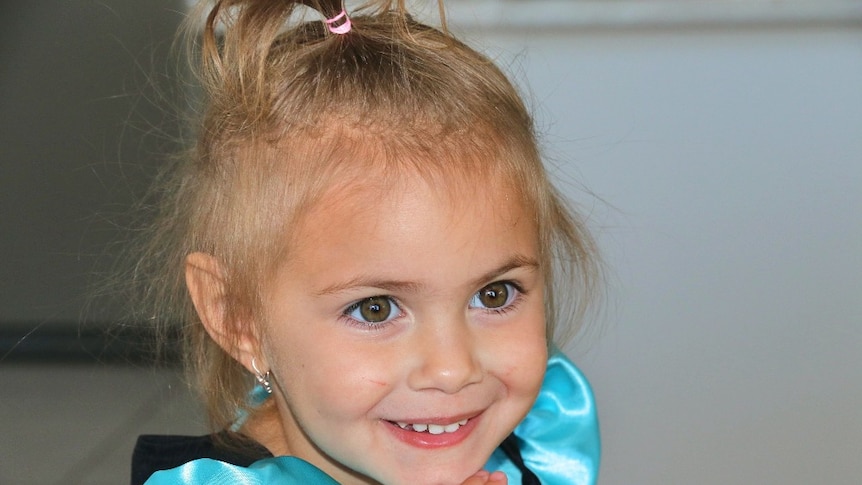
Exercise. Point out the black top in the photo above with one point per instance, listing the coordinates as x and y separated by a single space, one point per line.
163 452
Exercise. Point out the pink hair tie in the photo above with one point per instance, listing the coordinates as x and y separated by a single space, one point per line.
341 29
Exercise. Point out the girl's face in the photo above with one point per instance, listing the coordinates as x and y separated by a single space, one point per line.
406 331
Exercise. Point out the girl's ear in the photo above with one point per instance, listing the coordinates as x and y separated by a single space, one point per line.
205 280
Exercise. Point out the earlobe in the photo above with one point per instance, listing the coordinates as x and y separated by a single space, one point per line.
205 279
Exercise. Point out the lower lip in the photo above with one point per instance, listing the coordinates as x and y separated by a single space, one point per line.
428 440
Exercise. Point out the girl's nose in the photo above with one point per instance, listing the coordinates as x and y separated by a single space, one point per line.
446 357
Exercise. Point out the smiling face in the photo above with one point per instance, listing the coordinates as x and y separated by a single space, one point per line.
405 331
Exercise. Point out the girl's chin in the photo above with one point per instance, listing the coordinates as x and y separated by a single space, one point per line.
435 472
438 477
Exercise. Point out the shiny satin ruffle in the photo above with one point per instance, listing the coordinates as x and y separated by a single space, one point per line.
559 438
281 469
559 442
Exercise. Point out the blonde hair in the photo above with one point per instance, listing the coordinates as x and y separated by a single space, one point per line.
290 107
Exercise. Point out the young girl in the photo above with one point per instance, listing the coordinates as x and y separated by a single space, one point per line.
365 252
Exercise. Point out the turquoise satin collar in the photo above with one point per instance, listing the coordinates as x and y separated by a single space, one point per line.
205 471
559 442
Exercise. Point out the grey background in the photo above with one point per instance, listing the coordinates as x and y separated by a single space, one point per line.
81 131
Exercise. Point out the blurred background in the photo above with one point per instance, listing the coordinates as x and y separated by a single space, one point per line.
715 146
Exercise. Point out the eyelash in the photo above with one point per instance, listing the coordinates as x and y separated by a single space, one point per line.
511 303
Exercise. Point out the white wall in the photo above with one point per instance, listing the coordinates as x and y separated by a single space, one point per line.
729 159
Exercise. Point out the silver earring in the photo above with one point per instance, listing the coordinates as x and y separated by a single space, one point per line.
262 378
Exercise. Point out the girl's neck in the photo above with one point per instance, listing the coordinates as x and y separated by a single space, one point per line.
264 426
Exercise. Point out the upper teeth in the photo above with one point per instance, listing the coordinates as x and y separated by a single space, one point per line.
433 428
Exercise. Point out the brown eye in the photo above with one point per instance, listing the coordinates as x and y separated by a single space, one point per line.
373 310
495 295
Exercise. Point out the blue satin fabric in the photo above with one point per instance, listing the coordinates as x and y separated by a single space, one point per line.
559 442
282 469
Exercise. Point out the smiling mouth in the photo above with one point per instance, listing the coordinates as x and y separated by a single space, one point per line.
439 433
431 428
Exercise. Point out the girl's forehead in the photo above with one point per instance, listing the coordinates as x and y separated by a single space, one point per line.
410 230
403 198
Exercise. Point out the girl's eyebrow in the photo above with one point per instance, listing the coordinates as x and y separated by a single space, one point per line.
515 262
